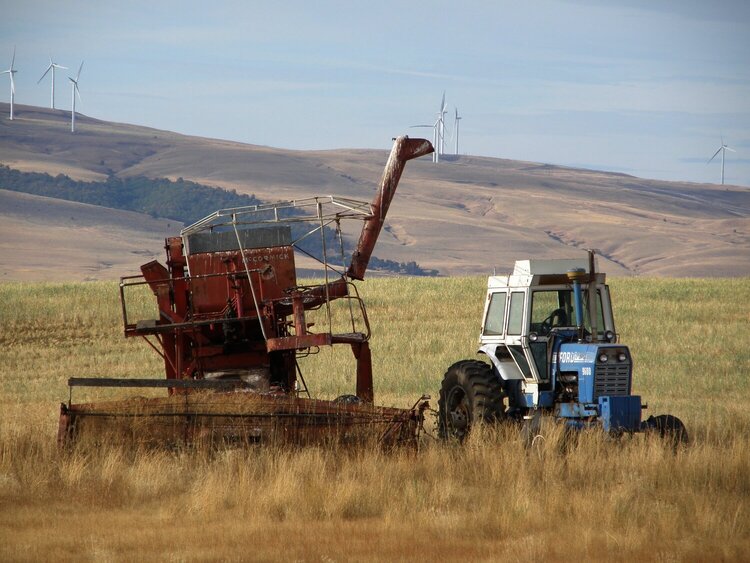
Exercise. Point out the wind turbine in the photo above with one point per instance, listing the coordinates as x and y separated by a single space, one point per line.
455 125
441 128
438 131
74 91
435 137
723 149
52 66
10 72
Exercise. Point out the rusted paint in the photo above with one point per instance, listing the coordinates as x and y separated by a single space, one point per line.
365 389
64 426
240 417
404 149
240 309
298 342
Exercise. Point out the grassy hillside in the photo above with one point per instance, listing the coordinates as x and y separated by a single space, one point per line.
492 499
462 216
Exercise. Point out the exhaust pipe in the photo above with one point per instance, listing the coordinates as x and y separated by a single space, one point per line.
575 276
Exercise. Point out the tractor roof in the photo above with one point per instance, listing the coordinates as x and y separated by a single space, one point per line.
542 267
541 272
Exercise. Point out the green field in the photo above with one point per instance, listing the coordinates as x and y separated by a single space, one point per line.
491 499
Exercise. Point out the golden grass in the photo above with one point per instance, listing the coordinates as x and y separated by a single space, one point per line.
592 498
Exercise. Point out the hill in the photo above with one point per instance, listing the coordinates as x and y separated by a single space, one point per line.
465 215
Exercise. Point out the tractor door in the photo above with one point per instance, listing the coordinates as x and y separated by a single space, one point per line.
516 338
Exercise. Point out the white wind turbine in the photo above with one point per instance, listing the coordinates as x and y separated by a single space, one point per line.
455 125
52 66
441 128
723 149
438 131
74 91
10 72
435 139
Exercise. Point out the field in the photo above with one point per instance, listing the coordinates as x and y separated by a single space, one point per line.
597 499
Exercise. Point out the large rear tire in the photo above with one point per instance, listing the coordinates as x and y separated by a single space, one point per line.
470 394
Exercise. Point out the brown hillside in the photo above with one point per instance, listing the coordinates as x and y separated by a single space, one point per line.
49 239
462 216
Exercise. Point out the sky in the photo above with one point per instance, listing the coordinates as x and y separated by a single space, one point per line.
645 87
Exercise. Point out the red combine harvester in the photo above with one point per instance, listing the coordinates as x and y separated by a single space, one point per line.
233 322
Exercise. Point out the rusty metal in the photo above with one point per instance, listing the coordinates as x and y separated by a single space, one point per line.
404 149
231 315
365 389
239 418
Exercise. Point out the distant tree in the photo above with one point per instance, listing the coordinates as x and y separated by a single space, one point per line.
180 200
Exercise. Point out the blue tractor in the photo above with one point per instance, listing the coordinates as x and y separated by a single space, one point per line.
550 336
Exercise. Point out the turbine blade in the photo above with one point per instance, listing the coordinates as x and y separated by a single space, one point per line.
45 74
421 126
714 156
729 149
79 71
13 60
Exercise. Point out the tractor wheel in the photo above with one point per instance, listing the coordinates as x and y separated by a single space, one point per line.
470 394
670 429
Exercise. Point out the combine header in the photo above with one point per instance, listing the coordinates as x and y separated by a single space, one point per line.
233 320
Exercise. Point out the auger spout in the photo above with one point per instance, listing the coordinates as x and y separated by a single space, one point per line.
404 149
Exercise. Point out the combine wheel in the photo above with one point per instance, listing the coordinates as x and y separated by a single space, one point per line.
471 393
670 428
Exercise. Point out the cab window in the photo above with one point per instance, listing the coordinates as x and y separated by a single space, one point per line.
556 308
515 314
493 324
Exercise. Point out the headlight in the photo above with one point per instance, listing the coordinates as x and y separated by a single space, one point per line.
603 358
533 337
621 357
609 336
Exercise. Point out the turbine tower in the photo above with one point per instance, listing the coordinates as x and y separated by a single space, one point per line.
455 126
10 72
723 149
52 66
74 91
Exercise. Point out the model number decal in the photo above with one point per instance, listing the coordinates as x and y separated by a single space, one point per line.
575 357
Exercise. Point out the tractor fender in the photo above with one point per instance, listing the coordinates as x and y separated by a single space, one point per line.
508 370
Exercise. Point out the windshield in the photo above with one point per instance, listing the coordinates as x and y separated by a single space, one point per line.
556 308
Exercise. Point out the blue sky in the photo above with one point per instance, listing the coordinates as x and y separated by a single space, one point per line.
642 87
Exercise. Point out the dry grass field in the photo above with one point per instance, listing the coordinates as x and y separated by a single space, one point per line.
492 499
